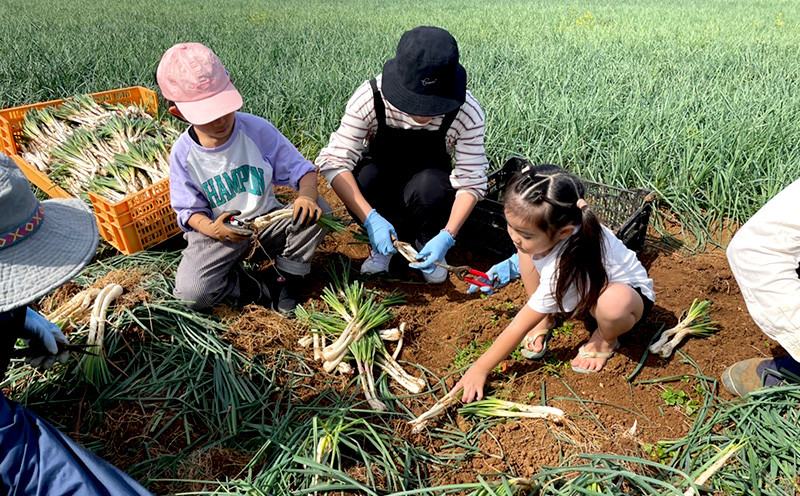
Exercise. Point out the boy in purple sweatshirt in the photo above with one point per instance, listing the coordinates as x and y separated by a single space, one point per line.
225 164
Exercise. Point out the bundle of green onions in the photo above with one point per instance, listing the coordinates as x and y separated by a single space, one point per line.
493 407
419 423
327 222
111 149
695 323
352 322
487 407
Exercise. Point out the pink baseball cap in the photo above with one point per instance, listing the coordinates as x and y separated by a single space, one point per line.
193 77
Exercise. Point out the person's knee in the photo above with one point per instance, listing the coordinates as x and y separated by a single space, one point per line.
194 296
367 177
429 187
619 304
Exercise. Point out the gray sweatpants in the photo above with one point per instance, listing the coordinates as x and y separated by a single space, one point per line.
210 269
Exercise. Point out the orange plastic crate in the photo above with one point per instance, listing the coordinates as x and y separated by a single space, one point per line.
139 221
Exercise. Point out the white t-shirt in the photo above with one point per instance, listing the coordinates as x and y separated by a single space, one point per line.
620 263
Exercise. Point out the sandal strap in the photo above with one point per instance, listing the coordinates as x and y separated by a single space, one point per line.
596 354
540 332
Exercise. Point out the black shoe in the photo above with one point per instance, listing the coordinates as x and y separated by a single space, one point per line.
286 289
251 290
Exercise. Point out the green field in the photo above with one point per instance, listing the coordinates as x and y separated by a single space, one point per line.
695 99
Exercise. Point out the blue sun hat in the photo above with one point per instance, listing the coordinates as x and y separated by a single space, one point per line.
425 78
42 244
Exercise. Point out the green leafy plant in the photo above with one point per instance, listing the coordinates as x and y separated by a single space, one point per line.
553 366
677 397
565 329
468 354
657 452
674 397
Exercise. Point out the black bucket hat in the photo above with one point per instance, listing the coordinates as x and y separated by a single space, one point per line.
424 78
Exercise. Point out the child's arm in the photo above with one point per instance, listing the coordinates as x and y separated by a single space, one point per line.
528 273
306 210
473 380
216 229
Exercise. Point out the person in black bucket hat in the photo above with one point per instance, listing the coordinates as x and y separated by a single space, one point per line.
408 158
42 246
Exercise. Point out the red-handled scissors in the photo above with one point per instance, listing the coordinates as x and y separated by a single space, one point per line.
462 271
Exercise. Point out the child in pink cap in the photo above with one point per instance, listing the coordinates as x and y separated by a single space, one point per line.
225 164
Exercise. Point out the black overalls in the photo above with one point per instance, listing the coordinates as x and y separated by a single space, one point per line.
405 175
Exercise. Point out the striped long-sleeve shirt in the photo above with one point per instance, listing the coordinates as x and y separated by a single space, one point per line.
359 125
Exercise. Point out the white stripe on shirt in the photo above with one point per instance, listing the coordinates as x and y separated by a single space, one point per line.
464 139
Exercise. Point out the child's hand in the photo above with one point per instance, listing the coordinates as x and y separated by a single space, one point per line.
500 274
306 212
472 382
220 231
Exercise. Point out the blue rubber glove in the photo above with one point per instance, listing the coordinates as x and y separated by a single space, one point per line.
434 250
380 231
500 274
45 332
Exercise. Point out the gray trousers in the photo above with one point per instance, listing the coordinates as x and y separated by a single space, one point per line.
210 269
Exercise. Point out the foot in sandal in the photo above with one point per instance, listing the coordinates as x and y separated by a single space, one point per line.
594 354
534 346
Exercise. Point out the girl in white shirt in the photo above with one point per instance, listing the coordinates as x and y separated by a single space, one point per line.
569 263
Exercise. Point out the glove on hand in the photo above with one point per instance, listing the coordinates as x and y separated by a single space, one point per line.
380 231
499 275
434 250
305 212
45 334
218 229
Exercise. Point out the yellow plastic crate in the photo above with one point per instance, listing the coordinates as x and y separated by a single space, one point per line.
137 222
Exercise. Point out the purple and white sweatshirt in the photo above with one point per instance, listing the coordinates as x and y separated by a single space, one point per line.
238 175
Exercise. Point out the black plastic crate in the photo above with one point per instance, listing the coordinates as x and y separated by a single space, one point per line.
624 211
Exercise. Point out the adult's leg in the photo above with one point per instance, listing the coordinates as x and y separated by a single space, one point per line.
427 200
382 188
618 309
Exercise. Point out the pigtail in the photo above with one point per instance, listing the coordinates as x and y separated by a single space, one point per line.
581 263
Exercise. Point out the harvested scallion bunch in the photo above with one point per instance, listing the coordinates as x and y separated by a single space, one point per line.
83 145
352 322
327 222
419 423
696 322
493 407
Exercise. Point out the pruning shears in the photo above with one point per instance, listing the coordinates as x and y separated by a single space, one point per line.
37 351
463 271
239 226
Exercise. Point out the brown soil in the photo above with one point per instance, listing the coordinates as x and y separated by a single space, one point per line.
444 323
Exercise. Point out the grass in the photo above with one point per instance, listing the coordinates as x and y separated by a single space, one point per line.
196 393
692 99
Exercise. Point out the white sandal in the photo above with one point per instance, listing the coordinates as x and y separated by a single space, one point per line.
594 354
